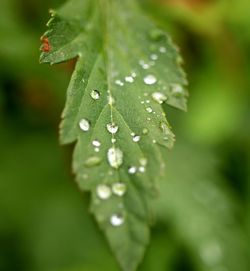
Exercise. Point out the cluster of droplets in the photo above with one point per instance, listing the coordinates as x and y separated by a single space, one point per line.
105 192
141 168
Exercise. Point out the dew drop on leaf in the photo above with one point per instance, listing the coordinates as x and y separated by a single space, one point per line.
95 94
92 161
84 125
145 131
103 191
142 169
162 50
159 97
150 79
129 79
112 128
132 170
119 189
96 143
115 157
177 89
143 161
116 220
149 109
154 56
136 138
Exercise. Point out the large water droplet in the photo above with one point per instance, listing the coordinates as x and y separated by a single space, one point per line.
115 157
116 220
112 128
95 94
92 161
150 79
159 97
132 170
84 125
103 191
96 143
136 138
119 189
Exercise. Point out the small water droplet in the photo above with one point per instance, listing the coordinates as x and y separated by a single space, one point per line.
115 157
92 161
162 50
145 131
143 161
149 109
96 143
116 220
95 94
119 83
133 74
147 101
103 191
136 138
113 140
129 79
154 141
145 66
142 169
154 56
119 189
111 100
84 125
97 149
159 97
112 128
132 170
150 79
177 89
156 34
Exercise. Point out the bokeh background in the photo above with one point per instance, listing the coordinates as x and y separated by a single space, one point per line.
202 220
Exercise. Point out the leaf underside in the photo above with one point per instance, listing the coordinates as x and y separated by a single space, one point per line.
126 68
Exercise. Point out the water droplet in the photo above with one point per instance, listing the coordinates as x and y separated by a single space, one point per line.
147 101
132 134
156 34
97 149
136 138
149 109
177 89
154 57
129 79
119 189
103 191
92 161
112 128
113 140
150 79
145 66
133 74
162 50
143 161
84 125
154 141
117 220
159 97
145 131
119 83
96 143
115 157
95 94
211 252
142 169
132 170
166 130
111 100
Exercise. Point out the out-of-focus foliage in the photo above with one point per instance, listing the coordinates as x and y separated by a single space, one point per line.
203 220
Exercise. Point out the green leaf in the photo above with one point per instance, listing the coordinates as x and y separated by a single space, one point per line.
126 69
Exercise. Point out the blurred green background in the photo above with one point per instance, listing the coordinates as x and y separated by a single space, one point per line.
202 220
